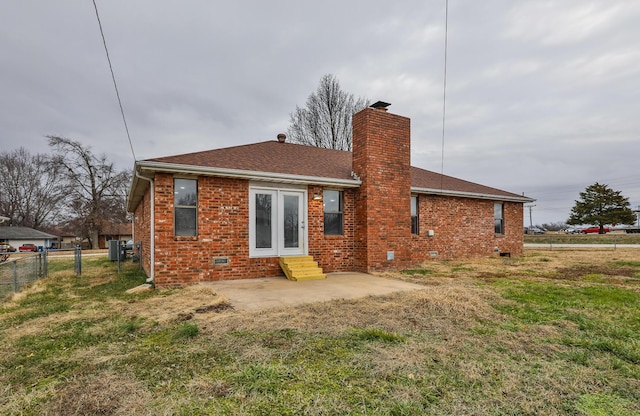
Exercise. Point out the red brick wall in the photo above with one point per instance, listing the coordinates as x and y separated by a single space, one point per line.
463 227
381 157
223 231
334 253
141 230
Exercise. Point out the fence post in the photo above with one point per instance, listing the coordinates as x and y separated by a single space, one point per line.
118 255
15 277
45 269
78 261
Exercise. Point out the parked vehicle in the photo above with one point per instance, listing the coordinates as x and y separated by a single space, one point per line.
7 248
534 230
571 230
28 247
594 230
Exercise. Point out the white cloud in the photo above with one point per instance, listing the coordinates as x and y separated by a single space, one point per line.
561 23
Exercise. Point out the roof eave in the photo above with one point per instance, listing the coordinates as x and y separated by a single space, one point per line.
477 195
247 174
148 168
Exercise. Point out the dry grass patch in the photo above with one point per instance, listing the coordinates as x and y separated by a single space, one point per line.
104 393
171 305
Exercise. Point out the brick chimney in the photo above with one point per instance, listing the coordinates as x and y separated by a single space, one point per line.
382 160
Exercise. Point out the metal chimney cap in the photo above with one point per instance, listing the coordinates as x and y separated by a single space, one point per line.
380 105
282 137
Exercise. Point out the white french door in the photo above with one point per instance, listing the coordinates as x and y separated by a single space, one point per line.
277 220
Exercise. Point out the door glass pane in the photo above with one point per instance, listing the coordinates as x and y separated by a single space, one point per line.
291 221
263 221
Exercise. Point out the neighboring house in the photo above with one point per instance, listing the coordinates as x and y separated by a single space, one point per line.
110 231
114 232
231 213
68 241
17 236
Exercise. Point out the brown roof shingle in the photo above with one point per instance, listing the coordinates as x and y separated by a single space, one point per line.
296 159
272 156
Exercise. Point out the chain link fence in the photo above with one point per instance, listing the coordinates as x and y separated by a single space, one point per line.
15 273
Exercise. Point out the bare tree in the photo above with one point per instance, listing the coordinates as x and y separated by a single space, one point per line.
97 192
30 191
325 121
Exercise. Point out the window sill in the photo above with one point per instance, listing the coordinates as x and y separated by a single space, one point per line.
185 238
333 237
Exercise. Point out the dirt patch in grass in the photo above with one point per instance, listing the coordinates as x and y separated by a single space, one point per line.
579 272
170 305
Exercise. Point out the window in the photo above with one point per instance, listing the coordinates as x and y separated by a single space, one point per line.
185 197
498 217
333 215
414 215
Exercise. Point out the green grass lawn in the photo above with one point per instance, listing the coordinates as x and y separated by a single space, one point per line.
548 333
561 238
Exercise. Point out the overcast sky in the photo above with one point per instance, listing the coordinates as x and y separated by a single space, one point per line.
543 97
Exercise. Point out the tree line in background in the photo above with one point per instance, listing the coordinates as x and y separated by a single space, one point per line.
70 189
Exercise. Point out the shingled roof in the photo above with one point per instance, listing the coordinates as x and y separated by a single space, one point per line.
298 163
271 156
23 233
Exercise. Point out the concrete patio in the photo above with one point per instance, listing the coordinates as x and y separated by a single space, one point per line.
274 292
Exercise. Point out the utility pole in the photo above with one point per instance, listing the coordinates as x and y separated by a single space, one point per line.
530 214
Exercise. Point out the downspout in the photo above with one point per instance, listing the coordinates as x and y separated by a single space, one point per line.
152 236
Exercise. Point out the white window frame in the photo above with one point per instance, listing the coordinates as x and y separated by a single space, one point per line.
277 240
417 230
500 218
176 206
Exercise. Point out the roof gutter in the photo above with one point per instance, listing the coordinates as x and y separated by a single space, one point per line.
152 233
247 174
462 194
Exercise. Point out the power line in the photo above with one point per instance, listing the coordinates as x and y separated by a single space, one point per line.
444 89
113 77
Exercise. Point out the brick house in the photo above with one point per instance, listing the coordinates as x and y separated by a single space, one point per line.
233 213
